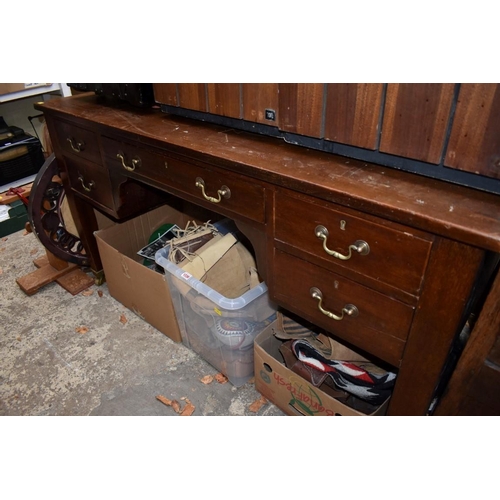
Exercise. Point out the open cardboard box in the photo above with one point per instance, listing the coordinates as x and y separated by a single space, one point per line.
290 392
137 287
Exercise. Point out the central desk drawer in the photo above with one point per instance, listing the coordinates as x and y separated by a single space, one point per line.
376 323
390 253
212 187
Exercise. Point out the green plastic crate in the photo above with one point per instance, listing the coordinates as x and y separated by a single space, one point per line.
18 216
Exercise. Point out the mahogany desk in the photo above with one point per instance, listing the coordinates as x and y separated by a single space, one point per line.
387 261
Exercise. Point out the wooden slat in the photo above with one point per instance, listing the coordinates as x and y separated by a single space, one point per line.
475 138
352 113
257 97
416 118
165 93
301 108
224 99
192 96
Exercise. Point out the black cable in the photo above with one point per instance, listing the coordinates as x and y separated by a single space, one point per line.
30 118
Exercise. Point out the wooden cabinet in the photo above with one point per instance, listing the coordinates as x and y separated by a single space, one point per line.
382 259
441 130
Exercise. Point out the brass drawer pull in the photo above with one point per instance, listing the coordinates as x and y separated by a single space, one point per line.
359 246
349 309
89 187
136 162
77 146
223 192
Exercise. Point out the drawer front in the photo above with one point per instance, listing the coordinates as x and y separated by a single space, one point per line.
91 181
78 141
396 256
380 326
210 186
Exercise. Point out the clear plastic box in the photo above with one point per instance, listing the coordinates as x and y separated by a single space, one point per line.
220 329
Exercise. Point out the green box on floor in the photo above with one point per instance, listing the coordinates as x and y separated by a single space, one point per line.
18 216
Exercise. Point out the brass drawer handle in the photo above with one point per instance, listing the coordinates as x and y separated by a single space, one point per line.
223 192
77 146
89 187
359 246
348 309
136 162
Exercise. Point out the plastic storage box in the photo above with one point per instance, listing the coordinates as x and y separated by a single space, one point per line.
220 329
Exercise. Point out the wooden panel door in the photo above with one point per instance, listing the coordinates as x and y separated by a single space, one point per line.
353 112
224 99
192 96
259 98
416 117
475 136
165 93
301 108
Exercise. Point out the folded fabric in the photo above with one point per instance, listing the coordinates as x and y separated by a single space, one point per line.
357 379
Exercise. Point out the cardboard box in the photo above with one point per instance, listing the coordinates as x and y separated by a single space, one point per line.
9 88
142 290
289 391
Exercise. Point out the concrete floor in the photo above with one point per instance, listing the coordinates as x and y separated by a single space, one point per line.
114 368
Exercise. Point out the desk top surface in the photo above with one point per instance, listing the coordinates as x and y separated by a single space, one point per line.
464 214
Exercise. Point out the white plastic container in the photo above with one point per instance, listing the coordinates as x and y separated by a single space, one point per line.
220 329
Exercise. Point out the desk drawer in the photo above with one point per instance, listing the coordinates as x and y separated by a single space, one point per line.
91 181
396 255
380 326
78 141
211 187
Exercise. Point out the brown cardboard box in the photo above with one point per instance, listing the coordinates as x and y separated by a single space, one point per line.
289 391
8 88
137 287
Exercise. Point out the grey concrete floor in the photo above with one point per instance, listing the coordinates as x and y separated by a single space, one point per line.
114 368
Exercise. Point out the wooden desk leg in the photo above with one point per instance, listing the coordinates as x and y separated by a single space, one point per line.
85 223
451 272
480 344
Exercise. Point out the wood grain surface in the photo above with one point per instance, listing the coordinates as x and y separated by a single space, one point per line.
416 117
353 112
301 108
224 99
475 136
257 97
